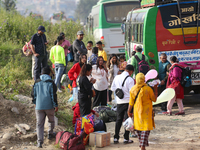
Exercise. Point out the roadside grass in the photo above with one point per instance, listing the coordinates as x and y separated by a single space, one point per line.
15 68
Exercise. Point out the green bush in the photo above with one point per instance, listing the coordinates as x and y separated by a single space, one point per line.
15 30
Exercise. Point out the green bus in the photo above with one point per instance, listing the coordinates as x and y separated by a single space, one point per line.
171 28
104 22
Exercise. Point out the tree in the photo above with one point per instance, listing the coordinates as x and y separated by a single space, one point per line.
8 4
84 8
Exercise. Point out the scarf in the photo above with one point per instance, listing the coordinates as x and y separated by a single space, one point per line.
140 82
175 64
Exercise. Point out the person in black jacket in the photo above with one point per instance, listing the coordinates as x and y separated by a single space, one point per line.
85 90
78 46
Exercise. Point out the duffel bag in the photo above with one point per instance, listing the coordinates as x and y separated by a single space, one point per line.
99 108
107 115
99 125
69 141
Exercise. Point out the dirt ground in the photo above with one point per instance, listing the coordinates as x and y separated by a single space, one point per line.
172 132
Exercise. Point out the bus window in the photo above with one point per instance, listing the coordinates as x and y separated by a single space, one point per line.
115 12
136 33
133 32
141 33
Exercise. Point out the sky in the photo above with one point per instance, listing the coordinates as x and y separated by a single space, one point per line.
46 7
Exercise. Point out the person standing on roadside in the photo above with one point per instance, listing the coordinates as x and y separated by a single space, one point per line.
100 73
164 66
79 47
45 100
101 51
113 69
125 83
141 98
57 57
66 44
39 51
89 48
137 58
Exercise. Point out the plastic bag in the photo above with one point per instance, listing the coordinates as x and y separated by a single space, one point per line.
128 124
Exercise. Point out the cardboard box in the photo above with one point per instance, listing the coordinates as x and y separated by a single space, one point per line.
100 139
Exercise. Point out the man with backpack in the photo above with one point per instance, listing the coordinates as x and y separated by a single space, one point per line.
45 100
123 83
78 46
140 61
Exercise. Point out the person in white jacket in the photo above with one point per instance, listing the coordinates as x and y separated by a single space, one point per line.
122 104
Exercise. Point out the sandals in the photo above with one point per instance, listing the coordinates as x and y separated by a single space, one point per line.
180 113
167 113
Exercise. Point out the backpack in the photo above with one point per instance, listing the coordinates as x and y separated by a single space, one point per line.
99 125
143 66
99 108
185 76
107 115
69 141
70 56
27 49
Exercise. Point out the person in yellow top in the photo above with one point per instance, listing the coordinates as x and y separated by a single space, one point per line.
101 52
141 97
57 57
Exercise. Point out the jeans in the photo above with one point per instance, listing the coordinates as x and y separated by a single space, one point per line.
40 116
40 62
121 114
59 68
65 70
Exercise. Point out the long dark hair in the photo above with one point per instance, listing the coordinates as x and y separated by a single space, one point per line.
98 58
84 69
80 57
111 56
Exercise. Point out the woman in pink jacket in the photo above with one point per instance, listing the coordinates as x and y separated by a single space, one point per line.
175 74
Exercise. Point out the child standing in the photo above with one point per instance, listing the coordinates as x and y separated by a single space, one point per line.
122 63
89 48
101 52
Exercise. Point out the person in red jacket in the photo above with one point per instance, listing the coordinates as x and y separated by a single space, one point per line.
74 72
77 113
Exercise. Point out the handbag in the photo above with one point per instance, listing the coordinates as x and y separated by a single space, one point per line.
119 92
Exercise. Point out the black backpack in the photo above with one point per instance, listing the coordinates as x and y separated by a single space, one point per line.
185 76
143 66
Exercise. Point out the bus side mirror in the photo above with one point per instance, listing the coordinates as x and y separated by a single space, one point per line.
123 28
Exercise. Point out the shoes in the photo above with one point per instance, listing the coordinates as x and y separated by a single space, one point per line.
51 136
39 145
180 113
133 135
127 141
167 113
161 112
116 141
59 91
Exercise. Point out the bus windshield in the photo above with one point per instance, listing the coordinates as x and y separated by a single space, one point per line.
115 12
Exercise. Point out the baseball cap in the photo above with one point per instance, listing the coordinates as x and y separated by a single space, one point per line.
42 28
80 32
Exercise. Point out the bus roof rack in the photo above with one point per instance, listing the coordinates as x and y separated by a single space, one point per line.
149 3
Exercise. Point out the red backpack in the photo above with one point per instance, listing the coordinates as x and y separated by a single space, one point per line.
143 66
69 141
